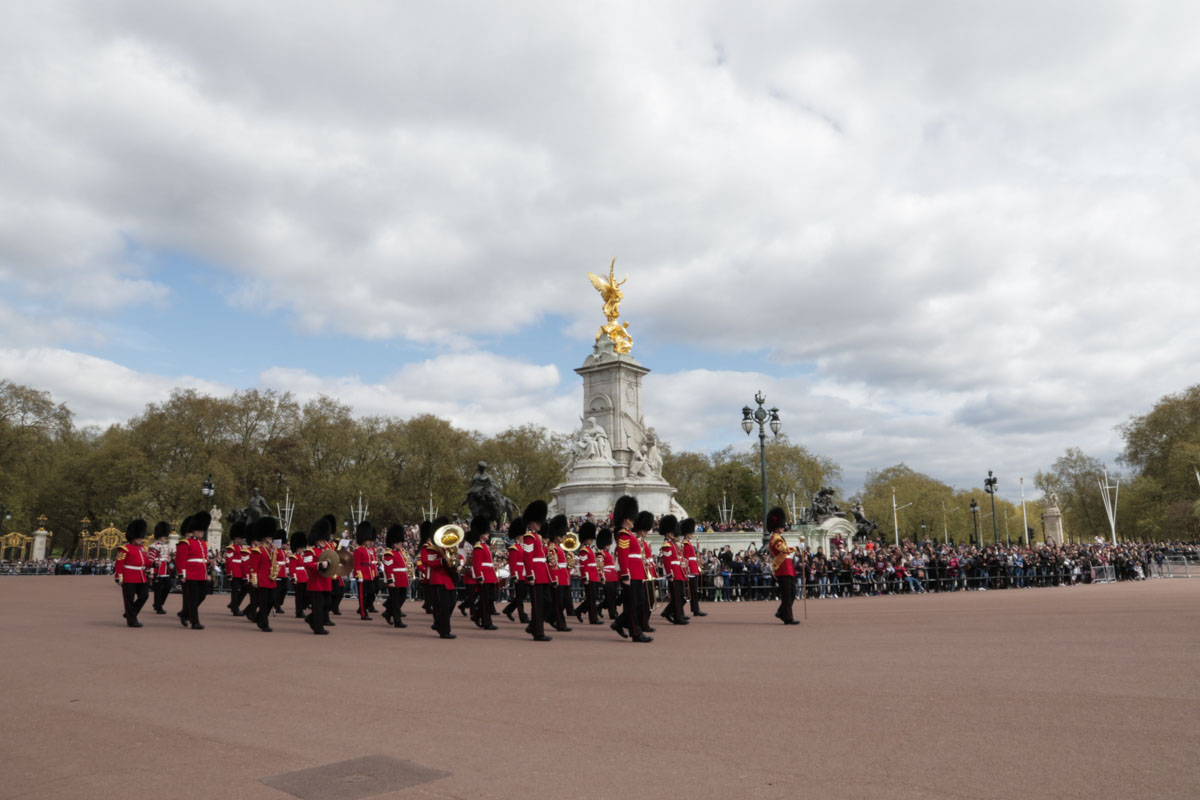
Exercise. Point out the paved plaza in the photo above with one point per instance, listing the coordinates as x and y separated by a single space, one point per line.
1082 692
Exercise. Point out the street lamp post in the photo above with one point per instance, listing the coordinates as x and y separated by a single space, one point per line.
975 519
989 485
895 518
208 489
763 417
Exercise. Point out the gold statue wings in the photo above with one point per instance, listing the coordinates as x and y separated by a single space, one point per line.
610 292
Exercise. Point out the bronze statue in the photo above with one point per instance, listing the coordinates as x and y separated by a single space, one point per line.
485 500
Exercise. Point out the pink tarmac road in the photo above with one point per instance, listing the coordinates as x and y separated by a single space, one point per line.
1087 692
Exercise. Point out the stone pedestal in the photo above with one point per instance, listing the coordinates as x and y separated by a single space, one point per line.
612 397
172 542
214 530
41 538
1052 525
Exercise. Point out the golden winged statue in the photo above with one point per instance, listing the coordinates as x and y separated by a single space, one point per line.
610 292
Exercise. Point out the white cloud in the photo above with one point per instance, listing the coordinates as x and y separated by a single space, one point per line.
971 228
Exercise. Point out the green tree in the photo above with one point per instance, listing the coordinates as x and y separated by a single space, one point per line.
1075 477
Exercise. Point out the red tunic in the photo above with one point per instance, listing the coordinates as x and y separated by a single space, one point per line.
481 564
533 552
648 554
562 574
689 554
296 568
435 566
423 569
366 566
588 569
630 558
395 568
672 561
516 564
191 559
611 573
781 556
311 560
284 563
260 567
233 561
132 563
468 570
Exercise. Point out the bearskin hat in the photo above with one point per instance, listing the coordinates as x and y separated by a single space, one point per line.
668 525
687 527
394 535
480 525
265 529
776 519
200 522
321 531
625 509
365 532
237 531
299 541
604 539
557 527
516 528
185 527
162 530
644 522
535 513
587 532
135 530
471 536
440 522
425 530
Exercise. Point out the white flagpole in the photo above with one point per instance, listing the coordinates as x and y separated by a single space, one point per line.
1024 519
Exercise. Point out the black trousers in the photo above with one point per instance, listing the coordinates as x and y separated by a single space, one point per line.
264 601
650 587
612 594
162 588
364 602
280 594
484 592
694 592
540 601
252 607
335 597
520 591
563 606
633 602
237 593
590 602
134 595
301 598
674 608
319 602
396 597
194 593
787 596
442 600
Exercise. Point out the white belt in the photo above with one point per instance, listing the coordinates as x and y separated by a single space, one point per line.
198 560
402 569
485 564
634 555
539 560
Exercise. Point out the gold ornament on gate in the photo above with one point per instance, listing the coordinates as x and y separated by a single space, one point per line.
610 292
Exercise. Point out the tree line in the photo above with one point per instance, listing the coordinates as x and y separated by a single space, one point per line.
155 464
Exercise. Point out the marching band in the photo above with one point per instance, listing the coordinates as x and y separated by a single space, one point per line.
543 556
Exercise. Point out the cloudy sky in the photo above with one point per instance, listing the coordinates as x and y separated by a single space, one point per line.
963 236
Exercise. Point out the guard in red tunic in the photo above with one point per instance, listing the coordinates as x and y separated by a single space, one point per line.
366 567
395 572
589 575
687 529
556 529
131 571
483 572
537 570
630 561
299 543
283 570
262 565
160 557
191 565
318 552
516 569
424 531
612 575
442 567
781 565
236 557
672 561
470 593
642 527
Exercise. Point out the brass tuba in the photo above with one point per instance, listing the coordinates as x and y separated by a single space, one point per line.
570 543
447 539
